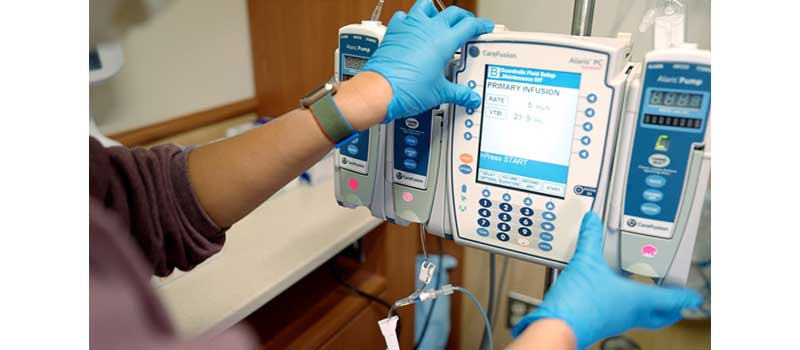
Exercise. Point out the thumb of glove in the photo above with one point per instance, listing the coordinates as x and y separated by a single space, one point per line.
667 304
590 239
462 96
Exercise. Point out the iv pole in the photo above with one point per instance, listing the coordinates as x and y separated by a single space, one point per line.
582 15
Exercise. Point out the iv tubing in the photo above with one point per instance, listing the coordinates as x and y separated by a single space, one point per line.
376 14
483 314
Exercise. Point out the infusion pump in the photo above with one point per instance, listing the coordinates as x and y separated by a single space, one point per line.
662 166
568 125
525 166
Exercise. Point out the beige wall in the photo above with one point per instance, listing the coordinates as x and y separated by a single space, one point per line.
192 56
611 16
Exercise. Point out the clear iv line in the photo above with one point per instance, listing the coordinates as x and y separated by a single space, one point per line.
422 240
376 14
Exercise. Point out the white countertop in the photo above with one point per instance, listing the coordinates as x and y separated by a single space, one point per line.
265 253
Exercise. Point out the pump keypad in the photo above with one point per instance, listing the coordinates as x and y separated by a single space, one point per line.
517 219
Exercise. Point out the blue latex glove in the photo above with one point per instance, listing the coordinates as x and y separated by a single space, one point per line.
598 303
414 53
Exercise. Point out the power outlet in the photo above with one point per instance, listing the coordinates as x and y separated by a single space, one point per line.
519 305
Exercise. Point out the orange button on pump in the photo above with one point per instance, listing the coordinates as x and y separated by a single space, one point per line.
353 183
466 158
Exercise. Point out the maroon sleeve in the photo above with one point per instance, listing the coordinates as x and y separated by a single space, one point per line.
149 190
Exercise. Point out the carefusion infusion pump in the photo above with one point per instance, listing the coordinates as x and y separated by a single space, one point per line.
662 167
392 168
360 162
416 162
537 154
414 153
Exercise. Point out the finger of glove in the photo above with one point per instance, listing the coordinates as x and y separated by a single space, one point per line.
461 95
454 14
398 16
471 27
423 8
666 304
590 239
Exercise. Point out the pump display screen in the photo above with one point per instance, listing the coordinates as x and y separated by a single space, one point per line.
678 122
527 128
676 99
354 63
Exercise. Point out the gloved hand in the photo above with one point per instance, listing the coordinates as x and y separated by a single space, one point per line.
414 53
598 303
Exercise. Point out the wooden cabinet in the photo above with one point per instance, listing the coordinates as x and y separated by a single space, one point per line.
293 43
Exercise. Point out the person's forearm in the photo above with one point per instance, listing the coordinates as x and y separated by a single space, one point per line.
232 177
545 334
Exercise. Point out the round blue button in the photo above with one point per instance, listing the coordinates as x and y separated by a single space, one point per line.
587 126
549 216
485 203
486 192
502 236
483 232
655 181
483 222
352 149
410 152
525 221
548 226
503 227
470 111
526 211
524 231
463 168
586 140
652 195
471 84
467 136
589 112
592 98
650 209
411 140
505 207
583 154
504 217
506 197
527 201
550 205
468 123
474 51
545 246
546 236
484 212
410 164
